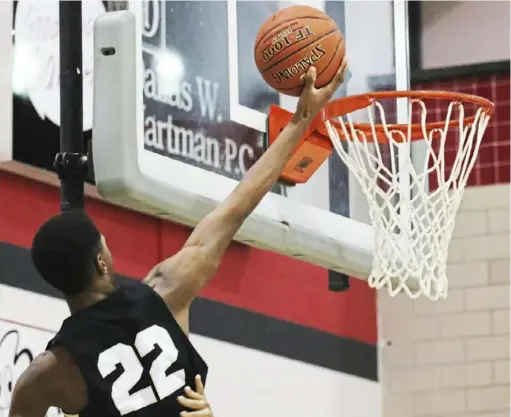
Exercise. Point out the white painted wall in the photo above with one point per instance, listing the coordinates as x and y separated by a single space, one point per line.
450 358
464 32
276 386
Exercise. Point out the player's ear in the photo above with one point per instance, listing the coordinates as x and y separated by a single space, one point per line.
101 266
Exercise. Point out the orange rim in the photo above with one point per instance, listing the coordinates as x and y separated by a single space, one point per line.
346 105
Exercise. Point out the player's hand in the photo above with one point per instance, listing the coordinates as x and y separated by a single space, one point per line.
314 99
195 401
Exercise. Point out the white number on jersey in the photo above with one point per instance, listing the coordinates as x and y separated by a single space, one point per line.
121 354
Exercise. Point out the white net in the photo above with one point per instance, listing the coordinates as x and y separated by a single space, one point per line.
413 227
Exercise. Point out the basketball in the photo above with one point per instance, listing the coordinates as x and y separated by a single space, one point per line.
294 39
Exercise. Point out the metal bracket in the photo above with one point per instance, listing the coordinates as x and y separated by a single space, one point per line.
338 282
71 166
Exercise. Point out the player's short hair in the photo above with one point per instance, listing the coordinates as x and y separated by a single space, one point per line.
64 251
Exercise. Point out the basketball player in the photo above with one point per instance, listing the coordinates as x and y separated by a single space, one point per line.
126 351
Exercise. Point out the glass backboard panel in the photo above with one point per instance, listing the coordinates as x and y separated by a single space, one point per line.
205 103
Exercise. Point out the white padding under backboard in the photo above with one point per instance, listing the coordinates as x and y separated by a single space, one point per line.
279 224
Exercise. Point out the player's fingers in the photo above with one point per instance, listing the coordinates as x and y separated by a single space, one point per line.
338 79
199 386
190 393
309 78
308 90
341 72
302 108
192 404
200 413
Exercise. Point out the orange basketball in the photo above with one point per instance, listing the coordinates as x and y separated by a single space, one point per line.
291 41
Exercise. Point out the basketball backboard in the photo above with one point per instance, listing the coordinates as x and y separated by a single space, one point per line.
178 98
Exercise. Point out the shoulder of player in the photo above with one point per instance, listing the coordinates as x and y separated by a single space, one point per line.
54 376
176 272
46 369
166 280
41 371
37 382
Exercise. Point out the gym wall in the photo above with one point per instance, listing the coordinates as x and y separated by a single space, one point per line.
464 32
451 358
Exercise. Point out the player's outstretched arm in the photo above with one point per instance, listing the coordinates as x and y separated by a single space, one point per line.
179 278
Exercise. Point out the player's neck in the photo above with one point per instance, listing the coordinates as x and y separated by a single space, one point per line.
84 300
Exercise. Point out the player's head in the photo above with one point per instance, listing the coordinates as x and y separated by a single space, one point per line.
71 254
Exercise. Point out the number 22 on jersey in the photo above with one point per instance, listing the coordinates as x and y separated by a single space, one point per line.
125 355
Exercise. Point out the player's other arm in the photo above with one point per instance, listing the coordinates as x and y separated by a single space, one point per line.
179 278
30 397
50 381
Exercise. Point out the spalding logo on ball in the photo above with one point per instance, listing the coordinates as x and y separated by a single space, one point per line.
291 41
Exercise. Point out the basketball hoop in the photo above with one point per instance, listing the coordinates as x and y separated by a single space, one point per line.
412 226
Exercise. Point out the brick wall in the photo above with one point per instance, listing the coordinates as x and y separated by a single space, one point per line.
451 357
492 164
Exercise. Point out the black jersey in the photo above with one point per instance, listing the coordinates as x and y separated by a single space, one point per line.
132 354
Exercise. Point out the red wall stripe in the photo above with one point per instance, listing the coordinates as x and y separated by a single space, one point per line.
248 278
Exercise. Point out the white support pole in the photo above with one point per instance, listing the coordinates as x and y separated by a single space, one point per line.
402 70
